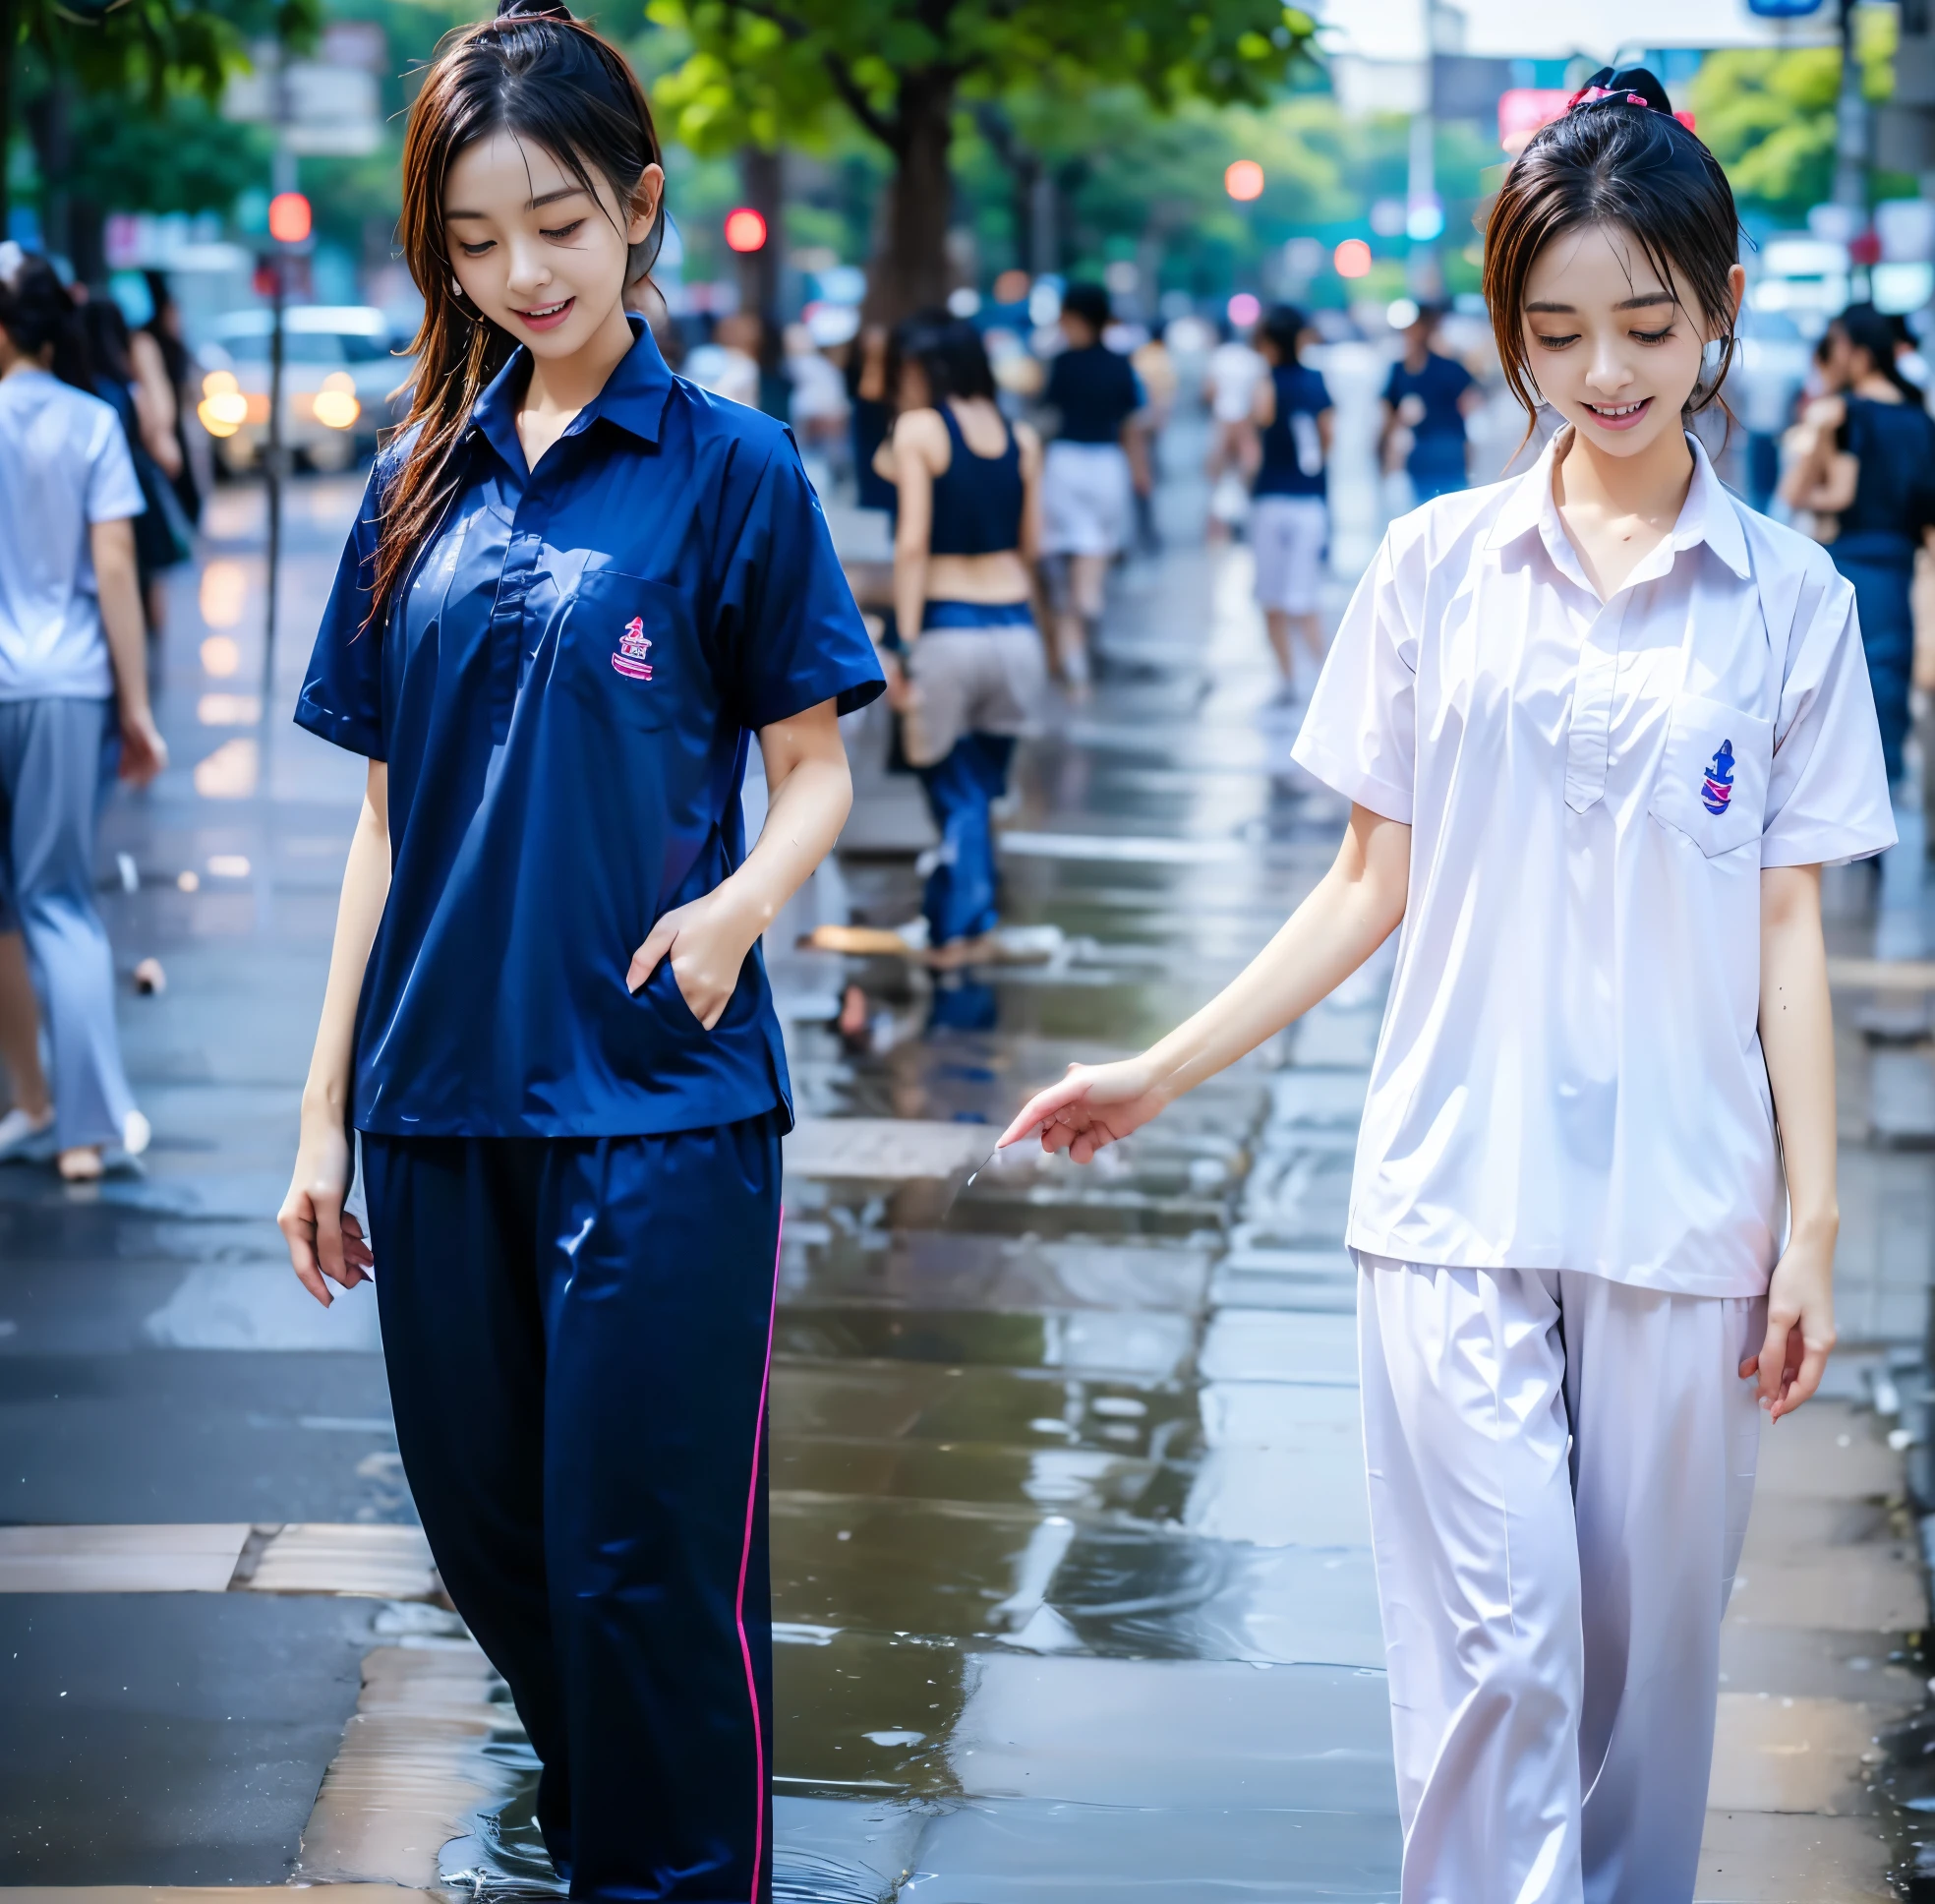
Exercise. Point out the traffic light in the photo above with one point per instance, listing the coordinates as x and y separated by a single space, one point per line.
745 229
289 220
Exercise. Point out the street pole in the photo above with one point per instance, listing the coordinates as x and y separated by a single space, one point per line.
1850 187
285 181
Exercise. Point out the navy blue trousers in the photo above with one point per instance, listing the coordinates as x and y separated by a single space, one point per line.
1882 569
578 1335
960 900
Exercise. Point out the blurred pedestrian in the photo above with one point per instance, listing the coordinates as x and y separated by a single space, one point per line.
129 376
1427 398
1866 462
1229 388
819 407
1600 726
1088 480
74 706
723 365
164 326
1290 516
547 1015
969 484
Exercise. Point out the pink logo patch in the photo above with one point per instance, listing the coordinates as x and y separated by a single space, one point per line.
629 657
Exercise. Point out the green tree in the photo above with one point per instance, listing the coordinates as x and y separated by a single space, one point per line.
135 52
1769 117
758 70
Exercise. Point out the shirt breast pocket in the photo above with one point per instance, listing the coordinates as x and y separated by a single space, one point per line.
627 648
1712 779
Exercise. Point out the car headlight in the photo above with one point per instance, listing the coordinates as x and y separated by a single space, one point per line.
335 406
223 408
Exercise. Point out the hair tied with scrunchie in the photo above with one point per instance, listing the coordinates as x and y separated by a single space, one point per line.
1626 86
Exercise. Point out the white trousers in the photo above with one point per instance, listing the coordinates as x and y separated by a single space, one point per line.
1560 1470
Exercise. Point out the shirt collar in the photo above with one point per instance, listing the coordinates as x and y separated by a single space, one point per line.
1708 515
633 397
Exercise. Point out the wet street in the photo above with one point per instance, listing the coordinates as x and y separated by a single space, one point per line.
1070 1555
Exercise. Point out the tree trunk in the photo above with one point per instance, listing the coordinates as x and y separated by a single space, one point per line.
9 58
911 271
762 178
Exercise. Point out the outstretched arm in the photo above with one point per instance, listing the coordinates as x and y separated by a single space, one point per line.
1353 910
1796 1038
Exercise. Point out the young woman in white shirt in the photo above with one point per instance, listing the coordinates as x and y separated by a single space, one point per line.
1601 726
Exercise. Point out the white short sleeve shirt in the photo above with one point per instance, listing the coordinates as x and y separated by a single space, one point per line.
1569 1074
64 466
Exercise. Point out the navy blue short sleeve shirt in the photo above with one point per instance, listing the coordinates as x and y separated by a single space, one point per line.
563 691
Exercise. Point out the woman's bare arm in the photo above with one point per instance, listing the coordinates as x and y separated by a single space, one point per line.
920 454
323 1242
1796 1038
1353 909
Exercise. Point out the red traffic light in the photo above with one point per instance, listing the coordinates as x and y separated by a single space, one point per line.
288 218
745 229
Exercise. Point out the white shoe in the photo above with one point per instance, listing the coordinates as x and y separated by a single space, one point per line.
19 1132
135 1133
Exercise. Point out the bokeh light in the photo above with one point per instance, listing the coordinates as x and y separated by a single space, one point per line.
1352 257
745 229
1244 309
1243 180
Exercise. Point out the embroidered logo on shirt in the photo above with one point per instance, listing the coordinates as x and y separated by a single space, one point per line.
1718 787
629 656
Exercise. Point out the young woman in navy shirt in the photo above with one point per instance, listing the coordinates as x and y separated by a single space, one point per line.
576 586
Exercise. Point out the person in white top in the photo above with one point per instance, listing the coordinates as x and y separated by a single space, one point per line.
1229 388
73 702
1601 726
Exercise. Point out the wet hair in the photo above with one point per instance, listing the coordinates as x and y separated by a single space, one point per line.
1091 303
539 73
37 310
1618 157
1869 329
1283 329
949 351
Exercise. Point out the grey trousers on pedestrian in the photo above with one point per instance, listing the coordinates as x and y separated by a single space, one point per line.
57 761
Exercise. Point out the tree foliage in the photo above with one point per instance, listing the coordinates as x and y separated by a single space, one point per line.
762 71
1769 117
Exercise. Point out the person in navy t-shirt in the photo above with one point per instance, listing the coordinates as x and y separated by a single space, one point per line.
576 588
1428 396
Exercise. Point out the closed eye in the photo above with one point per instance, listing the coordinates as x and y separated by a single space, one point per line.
559 233
1652 337
477 250
1555 342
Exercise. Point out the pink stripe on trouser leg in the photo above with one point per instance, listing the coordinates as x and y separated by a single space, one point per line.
1553 1666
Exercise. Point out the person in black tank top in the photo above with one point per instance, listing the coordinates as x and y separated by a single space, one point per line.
1867 464
973 670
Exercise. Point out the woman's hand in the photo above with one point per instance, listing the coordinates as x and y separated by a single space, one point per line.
1800 1327
324 1242
899 685
706 942
144 753
1094 1106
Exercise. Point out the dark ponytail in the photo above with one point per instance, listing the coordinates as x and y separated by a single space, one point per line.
1869 329
37 310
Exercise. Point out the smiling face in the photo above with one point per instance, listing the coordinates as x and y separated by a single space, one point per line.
1611 349
533 249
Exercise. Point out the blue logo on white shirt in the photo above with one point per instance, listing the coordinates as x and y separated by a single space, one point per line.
1717 789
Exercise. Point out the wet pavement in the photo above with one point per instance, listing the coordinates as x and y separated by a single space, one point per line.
1071 1567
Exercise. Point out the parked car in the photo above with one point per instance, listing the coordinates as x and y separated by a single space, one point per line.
338 372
